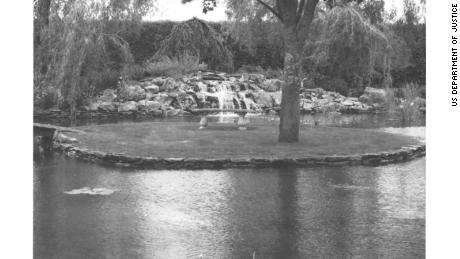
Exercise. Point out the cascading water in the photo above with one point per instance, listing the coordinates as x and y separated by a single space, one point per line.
227 98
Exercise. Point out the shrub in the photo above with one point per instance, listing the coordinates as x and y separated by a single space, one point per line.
250 69
198 39
410 106
390 99
47 99
173 67
336 85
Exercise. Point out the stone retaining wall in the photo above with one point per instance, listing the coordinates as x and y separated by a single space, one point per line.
121 160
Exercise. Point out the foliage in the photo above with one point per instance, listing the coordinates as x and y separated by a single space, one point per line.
346 47
413 33
172 67
410 107
147 40
78 51
196 38
373 10
405 102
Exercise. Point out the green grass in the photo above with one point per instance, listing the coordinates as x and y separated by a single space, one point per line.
185 140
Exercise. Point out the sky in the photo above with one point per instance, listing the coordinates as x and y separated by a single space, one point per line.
174 10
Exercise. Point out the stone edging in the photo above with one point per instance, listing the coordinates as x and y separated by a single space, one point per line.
121 160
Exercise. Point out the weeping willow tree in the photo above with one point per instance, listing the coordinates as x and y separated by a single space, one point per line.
347 46
78 46
196 38
296 18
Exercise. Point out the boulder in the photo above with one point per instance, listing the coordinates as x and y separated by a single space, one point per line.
93 106
263 99
132 93
148 106
108 95
149 96
169 85
60 137
256 78
373 95
188 102
200 87
200 98
158 81
173 112
348 102
107 107
272 85
306 105
128 106
152 88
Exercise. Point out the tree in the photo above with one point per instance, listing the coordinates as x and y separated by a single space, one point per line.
296 17
78 44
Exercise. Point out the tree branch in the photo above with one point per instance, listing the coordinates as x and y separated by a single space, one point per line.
308 14
300 11
270 9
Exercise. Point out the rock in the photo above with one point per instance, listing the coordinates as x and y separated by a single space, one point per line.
276 98
158 81
148 106
149 96
200 87
153 88
161 97
188 102
263 99
306 105
258 78
169 85
173 112
132 93
108 95
373 95
141 105
200 97
272 85
347 102
93 106
212 76
60 137
253 87
107 107
128 106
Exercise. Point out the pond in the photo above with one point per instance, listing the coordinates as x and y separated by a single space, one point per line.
326 212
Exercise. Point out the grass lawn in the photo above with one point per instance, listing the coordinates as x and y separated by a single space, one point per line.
185 140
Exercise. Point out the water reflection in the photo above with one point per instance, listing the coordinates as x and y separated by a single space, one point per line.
273 213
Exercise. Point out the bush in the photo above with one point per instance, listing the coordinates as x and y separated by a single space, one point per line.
250 69
173 67
198 39
48 99
410 107
406 102
336 85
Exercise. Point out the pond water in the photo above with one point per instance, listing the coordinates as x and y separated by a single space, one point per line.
84 210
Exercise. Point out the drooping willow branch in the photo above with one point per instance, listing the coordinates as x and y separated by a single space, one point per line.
271 9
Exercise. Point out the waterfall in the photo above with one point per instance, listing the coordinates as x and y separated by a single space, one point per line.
228 99
225 97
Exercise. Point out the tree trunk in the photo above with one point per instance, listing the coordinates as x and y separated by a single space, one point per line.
290 111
